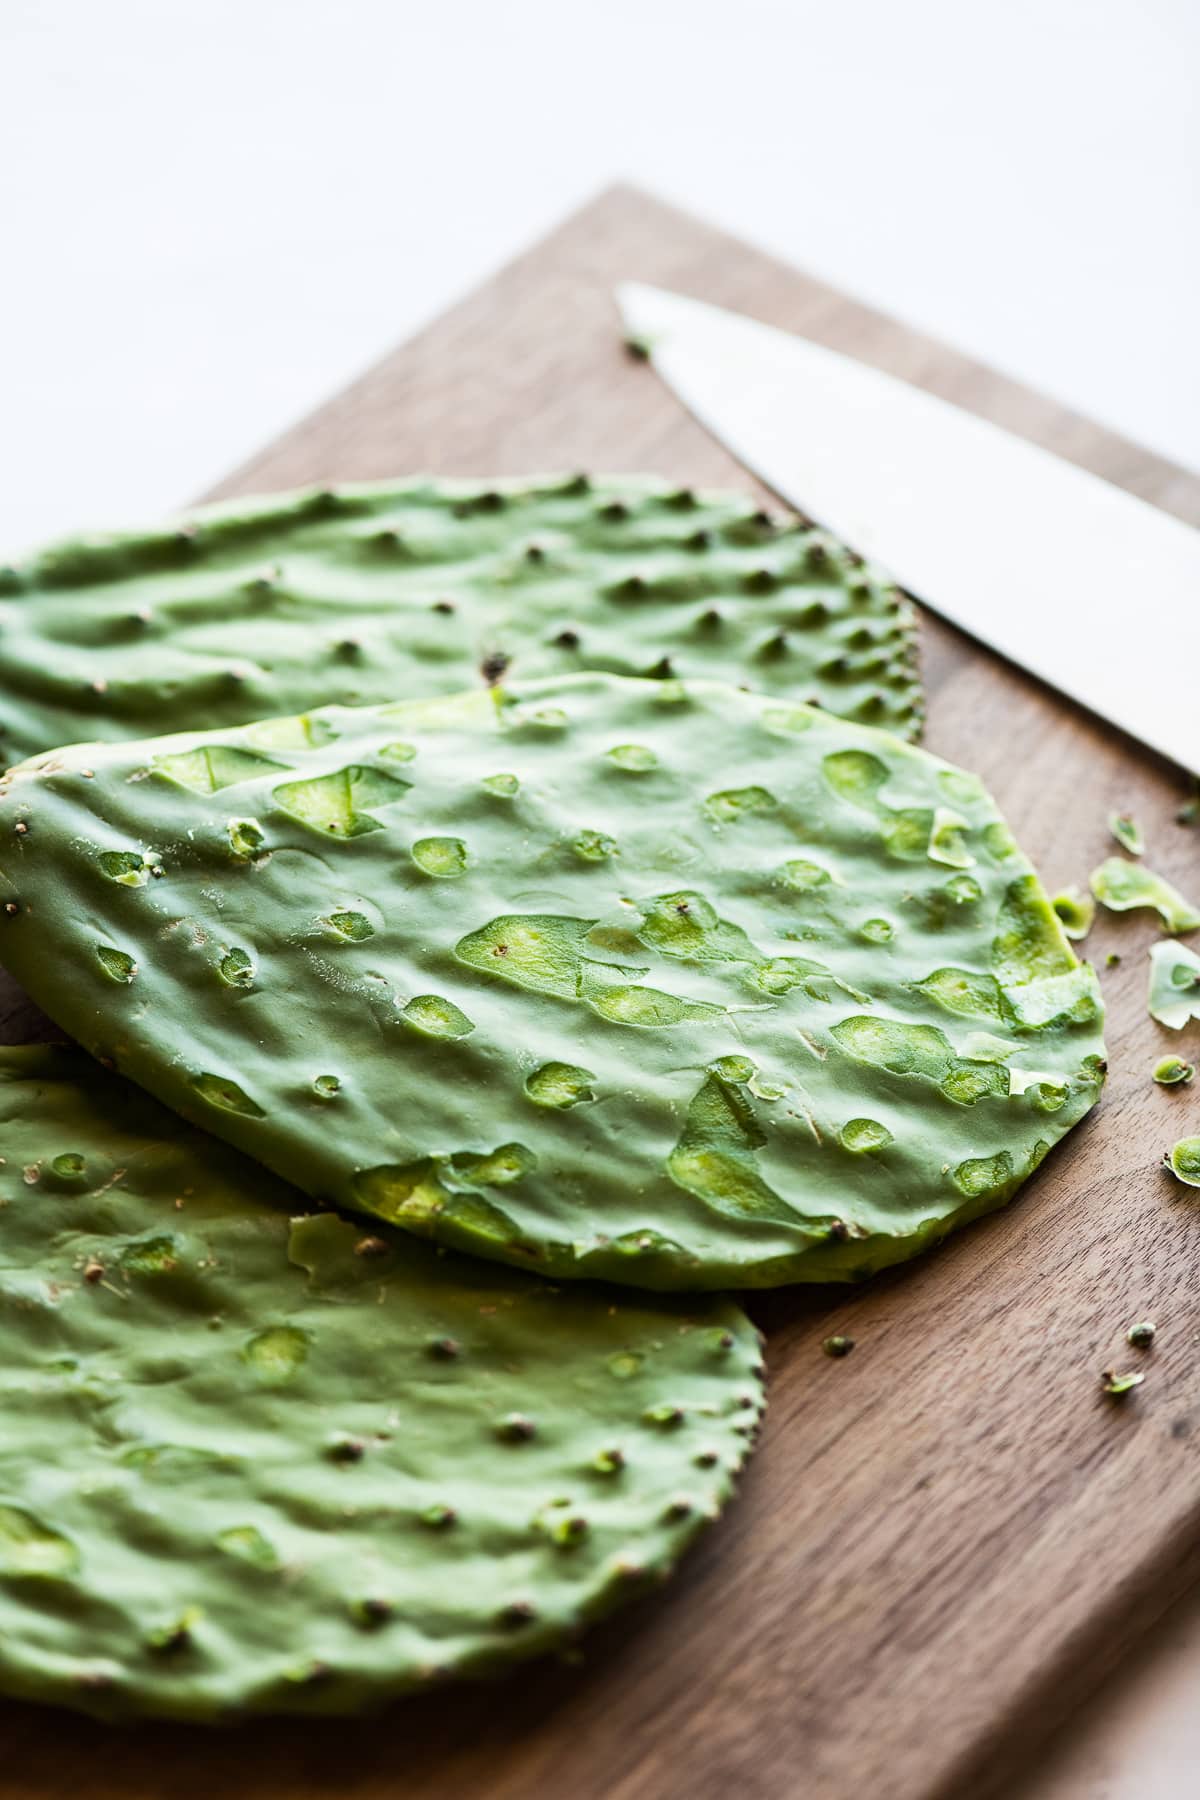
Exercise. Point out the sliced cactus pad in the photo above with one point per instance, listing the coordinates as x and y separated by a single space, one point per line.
661 982
368 594
254 1462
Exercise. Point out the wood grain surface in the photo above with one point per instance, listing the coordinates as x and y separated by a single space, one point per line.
945 1537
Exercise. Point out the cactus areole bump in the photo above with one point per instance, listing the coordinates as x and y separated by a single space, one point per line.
660 982
260 1462
374 593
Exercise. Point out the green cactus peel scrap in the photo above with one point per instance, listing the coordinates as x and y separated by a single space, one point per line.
1174 984
1128 833
804 1009
1183 1161
368 594
1172 1071
255 1462
1124 886
1076 912
1118 1385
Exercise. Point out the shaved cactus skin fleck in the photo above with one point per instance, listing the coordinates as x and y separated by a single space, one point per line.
1183 1161
365 594
1172 1071
1174 984
775 998
255 1462
1124 886
1076 912
1127 832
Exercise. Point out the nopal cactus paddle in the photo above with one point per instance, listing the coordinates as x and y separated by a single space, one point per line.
258 1462
365 594
661 982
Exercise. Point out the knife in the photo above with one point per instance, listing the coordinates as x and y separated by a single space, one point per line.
1093 590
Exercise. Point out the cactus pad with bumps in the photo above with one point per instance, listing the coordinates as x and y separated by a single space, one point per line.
369 594
255 1462
661 982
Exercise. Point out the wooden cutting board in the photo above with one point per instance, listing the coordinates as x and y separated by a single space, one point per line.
944 1538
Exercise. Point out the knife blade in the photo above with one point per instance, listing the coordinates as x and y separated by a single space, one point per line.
1090 588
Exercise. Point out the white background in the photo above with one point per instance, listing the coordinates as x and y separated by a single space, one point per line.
213 212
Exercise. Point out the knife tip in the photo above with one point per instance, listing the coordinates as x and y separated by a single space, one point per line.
641 309
629 295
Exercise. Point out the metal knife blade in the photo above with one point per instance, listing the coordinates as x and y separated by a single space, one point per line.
1093 590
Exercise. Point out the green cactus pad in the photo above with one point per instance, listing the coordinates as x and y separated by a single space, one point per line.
720 992
254 1462
367 594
